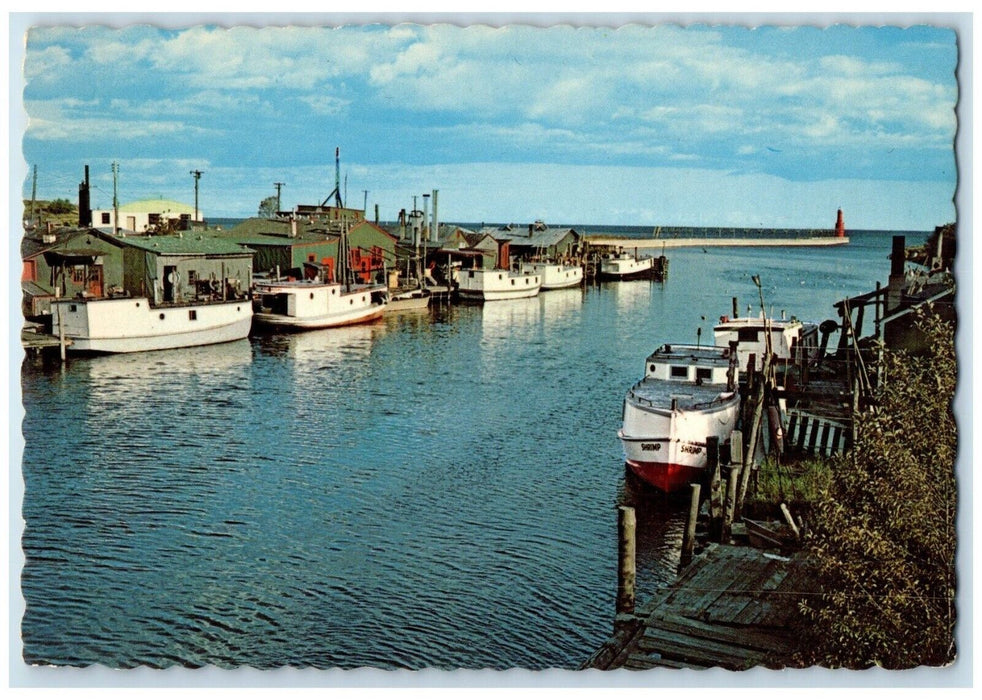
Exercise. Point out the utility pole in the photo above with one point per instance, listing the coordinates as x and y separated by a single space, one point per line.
365 207
196 174
278 185
34 192
115 199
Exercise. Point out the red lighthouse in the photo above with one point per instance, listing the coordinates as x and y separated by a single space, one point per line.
840 226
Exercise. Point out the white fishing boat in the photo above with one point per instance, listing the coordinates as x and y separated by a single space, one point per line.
328 300
309 304
408 300
687 394
133 324
493 285
117 292
790 339
555 275
624 265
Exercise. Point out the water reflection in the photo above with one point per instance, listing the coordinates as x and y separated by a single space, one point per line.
505 321
325 347
560 306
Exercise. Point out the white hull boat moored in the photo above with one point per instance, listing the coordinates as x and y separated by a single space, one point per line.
131 324
685 397
307 305
555 275
495 285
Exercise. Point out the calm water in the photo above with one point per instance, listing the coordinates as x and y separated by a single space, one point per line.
438 489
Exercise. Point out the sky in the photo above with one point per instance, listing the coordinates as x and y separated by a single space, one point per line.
646 125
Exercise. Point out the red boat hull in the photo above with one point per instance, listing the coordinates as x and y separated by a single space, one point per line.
666 476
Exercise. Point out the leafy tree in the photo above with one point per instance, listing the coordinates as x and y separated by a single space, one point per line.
883 537
267 207
61 206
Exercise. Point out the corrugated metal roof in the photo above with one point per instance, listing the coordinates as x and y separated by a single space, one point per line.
188 244
542 239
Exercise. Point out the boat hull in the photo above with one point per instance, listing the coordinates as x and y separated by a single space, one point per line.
311 306
408 302
666 447
497 285
626 269
132 325
335 320
556 276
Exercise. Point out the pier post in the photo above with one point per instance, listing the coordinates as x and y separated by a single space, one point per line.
61 327
715 489
689 536
755 424
626 565
729 506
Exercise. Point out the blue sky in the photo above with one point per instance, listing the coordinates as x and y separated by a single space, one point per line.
641 125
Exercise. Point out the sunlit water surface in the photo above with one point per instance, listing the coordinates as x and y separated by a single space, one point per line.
438 489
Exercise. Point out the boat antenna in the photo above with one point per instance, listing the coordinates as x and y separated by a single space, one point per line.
763 312
336 194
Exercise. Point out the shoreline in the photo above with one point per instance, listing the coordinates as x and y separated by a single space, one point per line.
601 240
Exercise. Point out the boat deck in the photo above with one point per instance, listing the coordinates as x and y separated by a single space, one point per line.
658 393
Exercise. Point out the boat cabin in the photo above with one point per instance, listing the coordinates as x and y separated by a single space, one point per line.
790 339
689 364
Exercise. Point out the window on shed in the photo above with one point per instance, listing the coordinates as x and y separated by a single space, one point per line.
105 217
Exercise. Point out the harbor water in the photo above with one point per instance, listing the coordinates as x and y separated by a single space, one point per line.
437 489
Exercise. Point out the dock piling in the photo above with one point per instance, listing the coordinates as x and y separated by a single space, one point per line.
715 489
626 563
689 536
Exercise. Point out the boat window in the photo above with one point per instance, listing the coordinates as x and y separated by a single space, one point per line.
748 335
679 372
192 314
73 307
311 295
512 282
470 274
651 368
704 373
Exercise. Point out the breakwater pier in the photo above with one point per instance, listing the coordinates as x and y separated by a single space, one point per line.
616 242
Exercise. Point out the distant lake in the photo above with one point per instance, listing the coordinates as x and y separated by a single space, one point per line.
437 489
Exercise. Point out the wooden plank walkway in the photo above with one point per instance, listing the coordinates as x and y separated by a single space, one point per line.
731 608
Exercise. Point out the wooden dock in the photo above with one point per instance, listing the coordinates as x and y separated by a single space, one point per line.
731 608
35 342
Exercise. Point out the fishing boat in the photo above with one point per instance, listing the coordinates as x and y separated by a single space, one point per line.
133 324
687 393
625 266
118 292
413 299
556 275
326 300
494 285
790 339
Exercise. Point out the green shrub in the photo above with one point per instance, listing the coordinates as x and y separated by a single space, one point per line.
882 539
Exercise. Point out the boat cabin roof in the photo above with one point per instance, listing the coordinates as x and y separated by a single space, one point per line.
690 354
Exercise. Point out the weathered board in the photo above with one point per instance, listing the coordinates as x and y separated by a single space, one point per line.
731 608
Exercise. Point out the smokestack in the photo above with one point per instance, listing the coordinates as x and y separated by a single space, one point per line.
840 226
84 203
426 217
435 233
